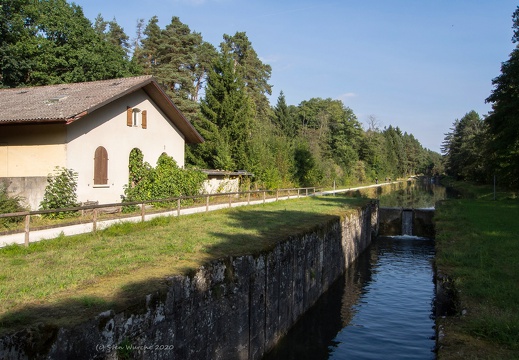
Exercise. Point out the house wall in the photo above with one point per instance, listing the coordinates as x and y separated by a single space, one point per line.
30 189
215 185
107 127
35 150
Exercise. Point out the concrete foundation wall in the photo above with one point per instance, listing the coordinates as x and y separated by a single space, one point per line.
234 308
31 189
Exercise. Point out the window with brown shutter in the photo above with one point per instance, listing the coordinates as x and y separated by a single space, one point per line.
129 116
144 118
101 166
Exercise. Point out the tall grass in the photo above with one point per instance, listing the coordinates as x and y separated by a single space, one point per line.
478 246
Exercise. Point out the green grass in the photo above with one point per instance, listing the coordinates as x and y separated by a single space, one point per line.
478 246
68 279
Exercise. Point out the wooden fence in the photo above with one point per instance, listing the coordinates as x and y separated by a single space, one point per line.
154 205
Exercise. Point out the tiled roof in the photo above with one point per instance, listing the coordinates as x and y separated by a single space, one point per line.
69 102
64 101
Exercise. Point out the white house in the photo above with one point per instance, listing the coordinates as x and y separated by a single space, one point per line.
88 127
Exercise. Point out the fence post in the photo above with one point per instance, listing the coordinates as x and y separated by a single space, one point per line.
94 220
288 196
230 200
143 212
207 203
178 207
248 198
298 193
27 226
264 196
306 191
277 194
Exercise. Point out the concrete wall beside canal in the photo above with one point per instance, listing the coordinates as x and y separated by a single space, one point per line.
235 308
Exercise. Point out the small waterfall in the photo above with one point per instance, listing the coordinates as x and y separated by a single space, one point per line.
407 222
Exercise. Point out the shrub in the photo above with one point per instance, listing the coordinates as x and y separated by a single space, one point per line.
165 181
9 205
60 193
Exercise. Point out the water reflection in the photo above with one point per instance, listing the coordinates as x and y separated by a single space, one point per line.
420 193
380 308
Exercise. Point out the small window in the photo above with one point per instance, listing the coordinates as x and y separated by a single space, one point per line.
136 117
101 166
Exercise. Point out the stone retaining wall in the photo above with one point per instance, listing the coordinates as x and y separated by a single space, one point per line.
234 308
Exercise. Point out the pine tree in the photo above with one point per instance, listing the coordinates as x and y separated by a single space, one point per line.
227 107
503 120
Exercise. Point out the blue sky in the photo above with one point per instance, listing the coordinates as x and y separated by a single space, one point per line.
415 64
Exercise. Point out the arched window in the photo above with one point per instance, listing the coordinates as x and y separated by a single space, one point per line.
136 117
101 166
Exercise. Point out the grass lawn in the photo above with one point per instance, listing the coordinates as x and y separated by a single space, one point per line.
478 247
68 279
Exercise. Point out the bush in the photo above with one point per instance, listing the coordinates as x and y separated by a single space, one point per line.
60 193
165 181
10 205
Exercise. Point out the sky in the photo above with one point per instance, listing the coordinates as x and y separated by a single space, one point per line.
415 64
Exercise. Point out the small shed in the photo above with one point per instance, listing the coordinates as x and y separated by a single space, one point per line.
223 181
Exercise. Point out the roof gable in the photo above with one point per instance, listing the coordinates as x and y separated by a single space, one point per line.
70 102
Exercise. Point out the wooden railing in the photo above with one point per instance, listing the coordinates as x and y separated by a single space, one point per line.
188 201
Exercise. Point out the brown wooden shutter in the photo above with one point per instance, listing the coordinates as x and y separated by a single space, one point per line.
101 166
129 116
144 116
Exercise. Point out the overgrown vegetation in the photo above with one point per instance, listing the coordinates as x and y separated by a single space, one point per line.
477 247
9 204
82 275
165 181
60 193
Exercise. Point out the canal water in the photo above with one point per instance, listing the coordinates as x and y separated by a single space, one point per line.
382 307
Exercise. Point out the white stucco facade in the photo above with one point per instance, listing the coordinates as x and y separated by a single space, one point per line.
107 127
28 151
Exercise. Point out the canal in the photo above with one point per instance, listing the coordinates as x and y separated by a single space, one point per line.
383 306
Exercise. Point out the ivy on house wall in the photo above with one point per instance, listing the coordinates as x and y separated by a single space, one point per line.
166 180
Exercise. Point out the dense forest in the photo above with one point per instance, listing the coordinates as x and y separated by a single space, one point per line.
481 149
224 91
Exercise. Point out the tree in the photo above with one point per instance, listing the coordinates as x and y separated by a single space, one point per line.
464 149
283 119
395 155
251 69
227 114
146 57
503 120
179 59
50 42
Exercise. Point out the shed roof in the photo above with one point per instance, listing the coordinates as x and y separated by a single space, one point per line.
70 102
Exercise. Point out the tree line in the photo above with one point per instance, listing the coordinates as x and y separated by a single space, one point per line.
480 148
223 91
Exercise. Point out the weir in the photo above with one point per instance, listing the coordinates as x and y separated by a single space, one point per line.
406 221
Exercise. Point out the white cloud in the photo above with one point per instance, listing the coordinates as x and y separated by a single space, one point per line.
346 96
198 2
